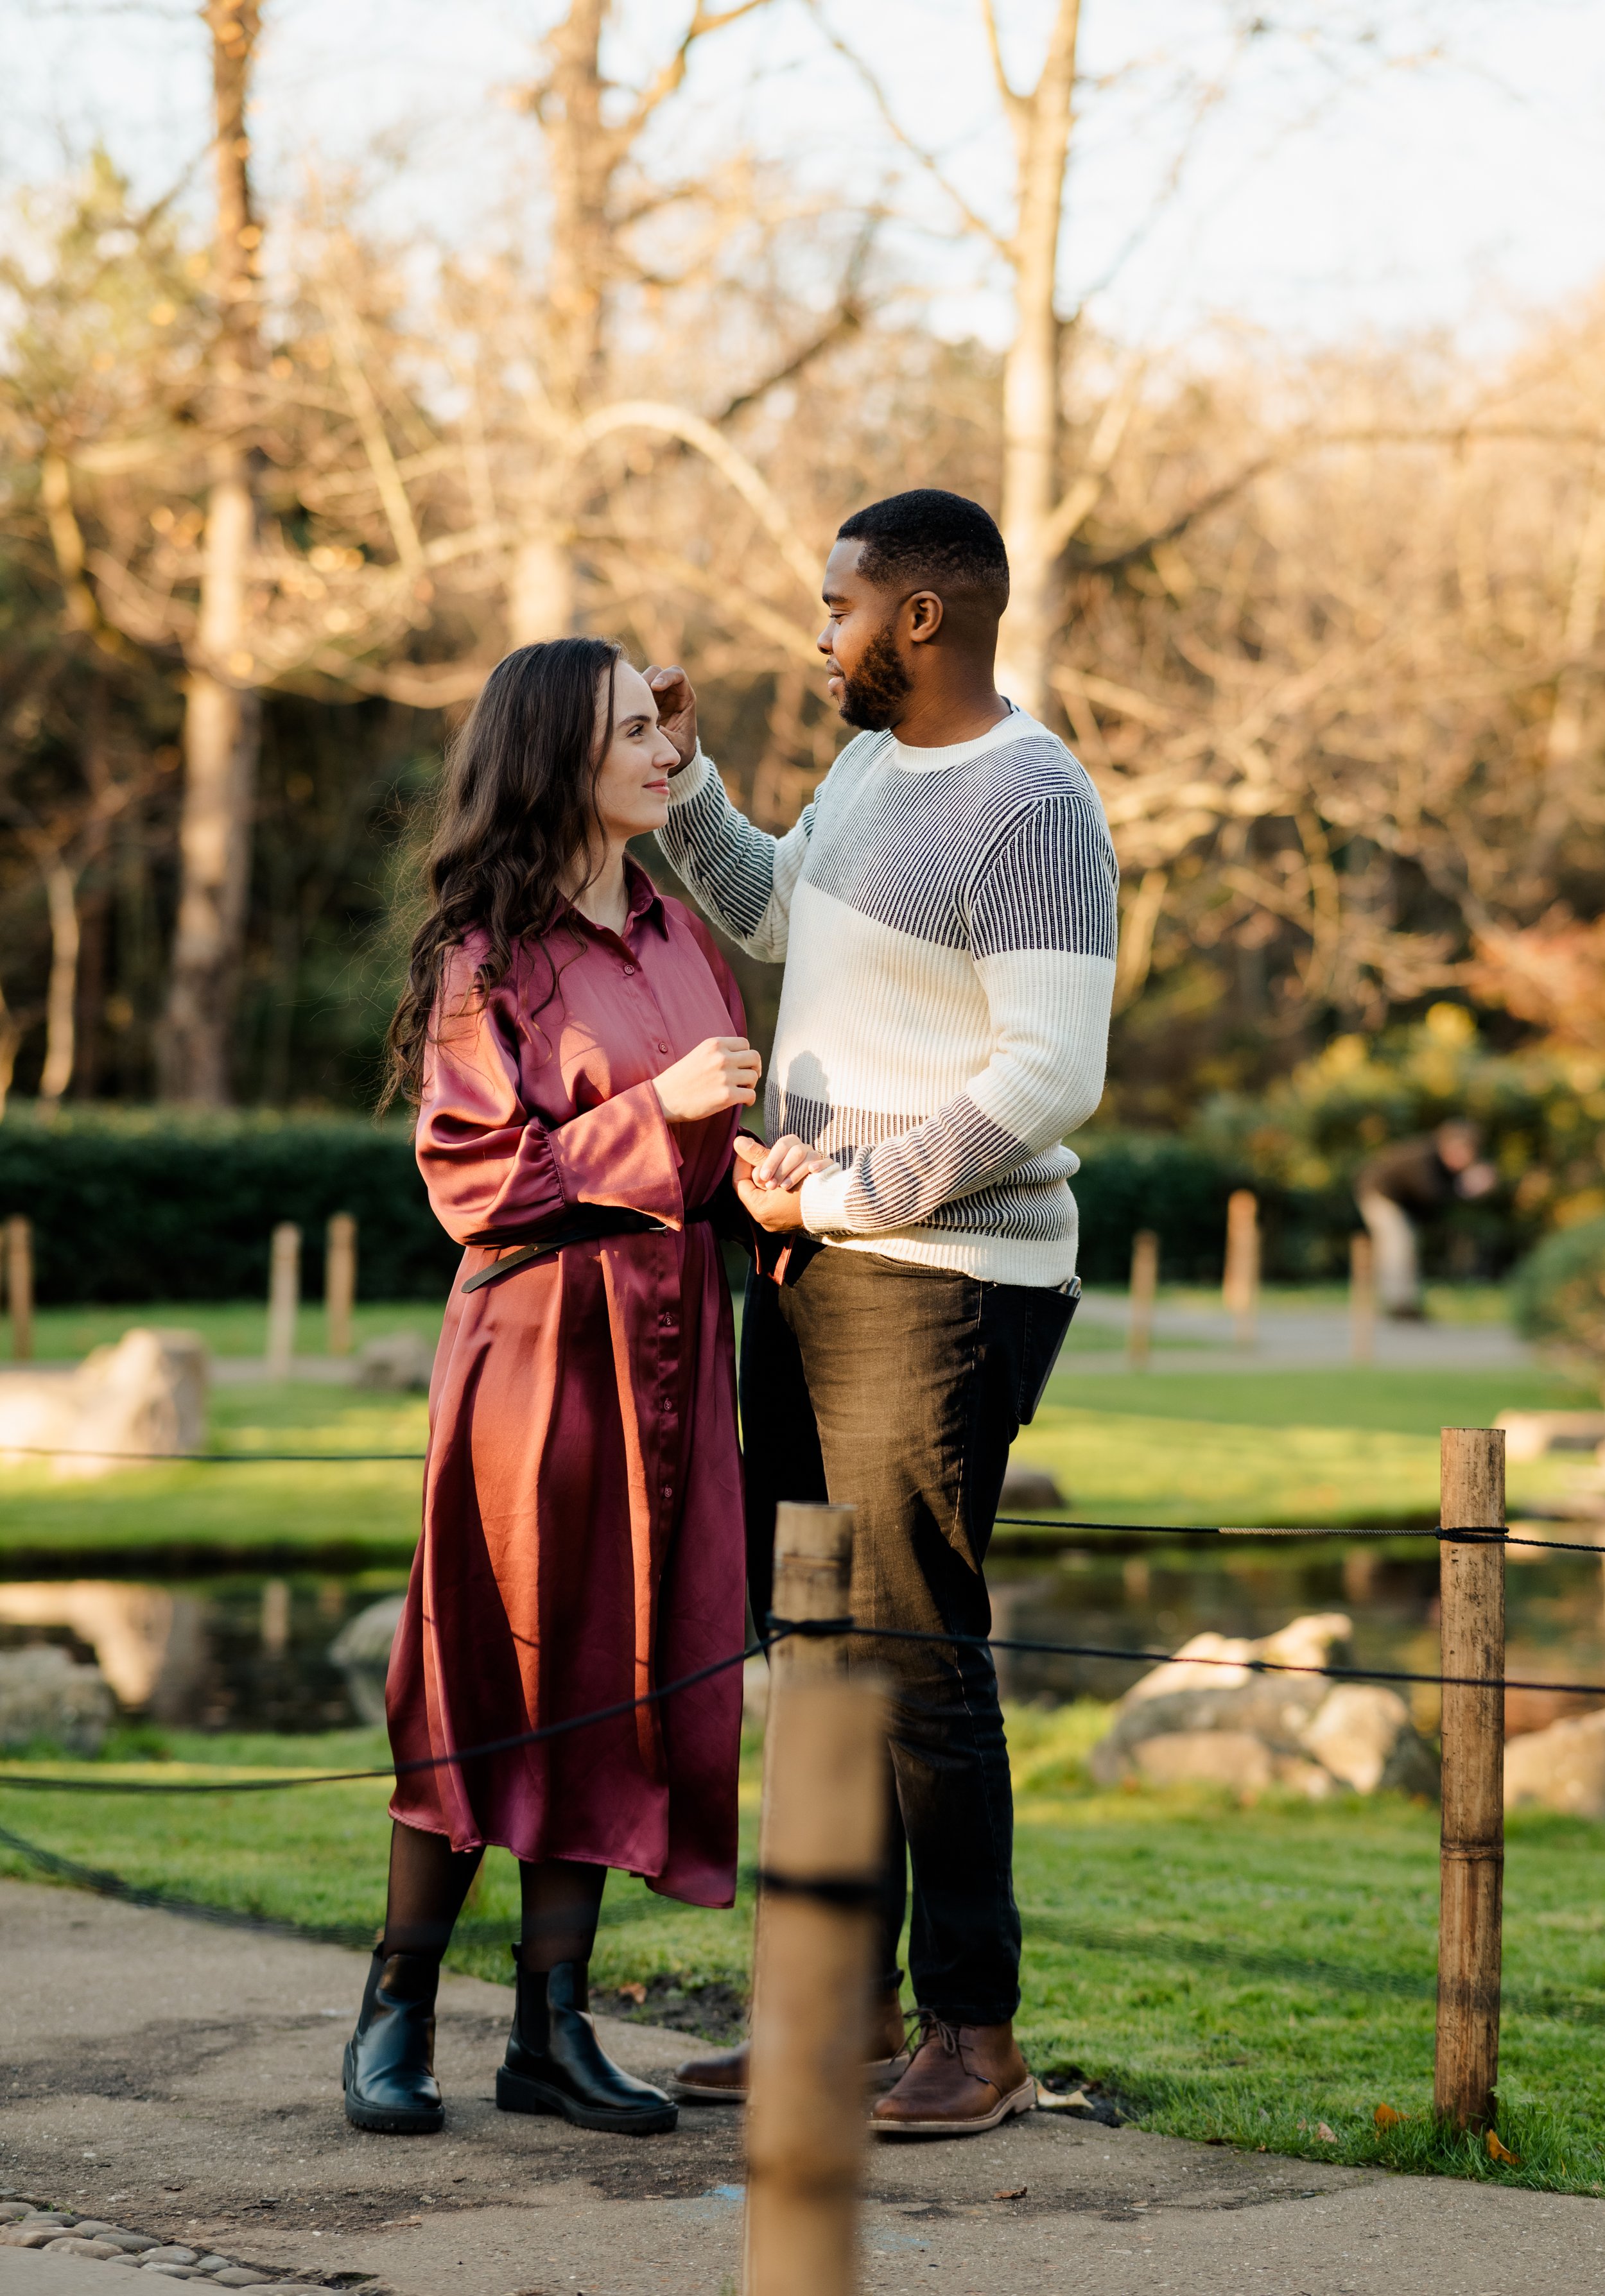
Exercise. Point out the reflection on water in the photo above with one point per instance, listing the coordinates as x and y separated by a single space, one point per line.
245 1653
227 1654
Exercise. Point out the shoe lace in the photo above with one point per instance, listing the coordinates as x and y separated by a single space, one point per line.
929 2024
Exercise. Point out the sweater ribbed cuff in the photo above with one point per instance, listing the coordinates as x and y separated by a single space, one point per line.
824 1196
689 778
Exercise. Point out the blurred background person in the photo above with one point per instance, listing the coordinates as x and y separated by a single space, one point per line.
1410 1180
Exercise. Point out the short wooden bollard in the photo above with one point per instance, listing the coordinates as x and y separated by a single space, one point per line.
1471 1885
1145 1282
284 1297
1240 1288
20 1285
340 1283
820 1843
1362 1300
813 1575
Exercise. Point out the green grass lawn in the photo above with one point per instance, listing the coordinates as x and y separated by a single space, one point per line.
364 1514
236 1327
1346 1444
1319 1448
1238 1974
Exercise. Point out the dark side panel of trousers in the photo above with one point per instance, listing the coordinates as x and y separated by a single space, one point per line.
911 1380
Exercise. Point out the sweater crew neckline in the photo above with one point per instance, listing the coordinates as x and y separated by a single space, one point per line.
1012 728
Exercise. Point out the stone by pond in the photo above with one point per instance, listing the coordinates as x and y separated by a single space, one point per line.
1210 1719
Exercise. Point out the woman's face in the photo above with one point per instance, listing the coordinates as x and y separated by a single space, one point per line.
632 782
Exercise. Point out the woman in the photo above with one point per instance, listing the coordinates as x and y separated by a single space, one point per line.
574 1043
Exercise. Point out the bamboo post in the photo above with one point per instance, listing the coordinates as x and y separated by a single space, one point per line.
1240 1288
19 1284
284 1297
820 1842
1363 1298
340 1283
1145 1281
1472 1858
813 1577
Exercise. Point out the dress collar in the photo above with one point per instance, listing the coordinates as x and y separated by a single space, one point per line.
646 905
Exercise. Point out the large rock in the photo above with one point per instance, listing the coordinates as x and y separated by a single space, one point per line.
1562 1767
1208 1718
361 1650
1363 1733
1028 1487
146 1394
44 1695
400 1363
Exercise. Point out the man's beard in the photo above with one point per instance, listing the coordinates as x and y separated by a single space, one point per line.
874 695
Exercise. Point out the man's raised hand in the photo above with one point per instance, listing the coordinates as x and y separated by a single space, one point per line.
676 709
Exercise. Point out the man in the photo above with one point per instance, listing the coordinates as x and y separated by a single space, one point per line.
946 910
1416 1177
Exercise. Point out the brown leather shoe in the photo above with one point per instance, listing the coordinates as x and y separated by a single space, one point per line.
963 2079
722 2078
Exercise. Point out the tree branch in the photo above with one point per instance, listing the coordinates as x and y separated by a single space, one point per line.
895 129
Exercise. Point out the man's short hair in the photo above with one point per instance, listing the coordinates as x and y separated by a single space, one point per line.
928 538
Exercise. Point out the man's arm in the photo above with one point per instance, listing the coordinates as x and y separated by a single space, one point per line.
1042 927
742 876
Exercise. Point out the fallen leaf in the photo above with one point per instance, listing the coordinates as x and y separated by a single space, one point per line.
1386 2117
1498 2152
1015 2192
1327 2136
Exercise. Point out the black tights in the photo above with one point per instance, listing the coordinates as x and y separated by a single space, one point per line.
429 1880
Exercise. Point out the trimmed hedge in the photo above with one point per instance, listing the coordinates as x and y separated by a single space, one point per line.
1179 1188
137 1204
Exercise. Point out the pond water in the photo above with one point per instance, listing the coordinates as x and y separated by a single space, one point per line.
241 1653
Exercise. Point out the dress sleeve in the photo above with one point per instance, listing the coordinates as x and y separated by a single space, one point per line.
492 1167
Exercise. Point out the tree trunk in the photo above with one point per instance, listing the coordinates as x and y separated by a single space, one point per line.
1042 123
60 997
222 712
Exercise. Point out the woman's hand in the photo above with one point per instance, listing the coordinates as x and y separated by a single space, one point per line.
775 1204
721 1073
785 1163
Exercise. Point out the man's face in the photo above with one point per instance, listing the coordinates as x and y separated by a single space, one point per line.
866 677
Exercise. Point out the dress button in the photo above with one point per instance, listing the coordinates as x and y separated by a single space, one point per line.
663 1048
628 971
666 1321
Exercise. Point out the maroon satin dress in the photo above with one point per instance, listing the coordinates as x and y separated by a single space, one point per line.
582 1523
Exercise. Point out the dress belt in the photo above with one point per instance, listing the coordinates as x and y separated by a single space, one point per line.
586 1224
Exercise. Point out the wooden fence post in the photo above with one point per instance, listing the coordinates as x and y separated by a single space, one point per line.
1145 1280
1363 1298
340 1283
1472 1859
813 1577
1240 1288
284 1297
19 1284
819 1850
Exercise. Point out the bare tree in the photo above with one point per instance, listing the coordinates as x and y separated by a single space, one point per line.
222 718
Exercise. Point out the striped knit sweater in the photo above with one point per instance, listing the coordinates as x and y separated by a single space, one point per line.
947 919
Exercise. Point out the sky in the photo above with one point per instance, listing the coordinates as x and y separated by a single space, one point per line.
1350 171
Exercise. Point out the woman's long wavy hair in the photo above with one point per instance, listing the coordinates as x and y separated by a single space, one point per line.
518 803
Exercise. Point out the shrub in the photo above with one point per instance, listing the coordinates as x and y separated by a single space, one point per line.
137 1204
1558 1295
